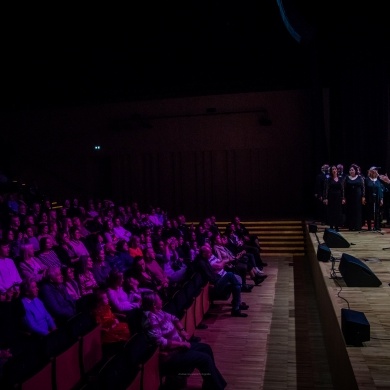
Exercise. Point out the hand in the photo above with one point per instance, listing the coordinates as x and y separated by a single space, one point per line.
325 202
186 345
343 201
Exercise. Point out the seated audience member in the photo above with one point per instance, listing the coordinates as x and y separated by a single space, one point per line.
154 218
125 261
15 239
120 231
161 253
76 243
85 276
174 268
194 250
145 278
9 274
37 319
183 249
213 271
113 330
236 245
109 233
55 297
101 269
178 356
154 267
30 266
77 223
30 238
43 230
71 284
53 232
111 256
47 256
243 234
120 301
241 264
135 248
65 251
182 226
30 223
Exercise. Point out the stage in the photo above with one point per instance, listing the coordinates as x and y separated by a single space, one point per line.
355 367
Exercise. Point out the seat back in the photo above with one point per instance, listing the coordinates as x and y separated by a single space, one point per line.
42 380
91 350
67 373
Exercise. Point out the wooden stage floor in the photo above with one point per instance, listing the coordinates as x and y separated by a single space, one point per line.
369 363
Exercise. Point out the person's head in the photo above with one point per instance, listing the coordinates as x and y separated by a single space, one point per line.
29 221
29 288
117 222
373 173
4 248
205 251
55 275
161 246
10 235
101 297
76 221
45 244
15 221
99 256
67 273
151 301
85 263
325 168
75 233
333 171
43 228
27 251
172 242
150 254
237 220
131 282
340 168
217 240
353 170
30 232
122 246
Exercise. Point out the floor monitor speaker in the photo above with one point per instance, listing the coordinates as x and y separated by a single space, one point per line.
356 274
355 327
323 253
334 239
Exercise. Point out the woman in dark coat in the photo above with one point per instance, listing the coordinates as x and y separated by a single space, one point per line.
374 199
334 199
354 198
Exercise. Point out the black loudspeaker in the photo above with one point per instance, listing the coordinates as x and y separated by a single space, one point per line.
356 274
323 253
334 239
355 327
313 228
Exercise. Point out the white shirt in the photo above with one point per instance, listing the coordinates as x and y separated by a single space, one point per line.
9 274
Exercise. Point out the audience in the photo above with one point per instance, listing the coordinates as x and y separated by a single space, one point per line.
137 257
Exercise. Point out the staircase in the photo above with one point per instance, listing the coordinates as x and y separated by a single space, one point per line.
277 238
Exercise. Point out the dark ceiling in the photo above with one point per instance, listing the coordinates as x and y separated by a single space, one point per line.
77 56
